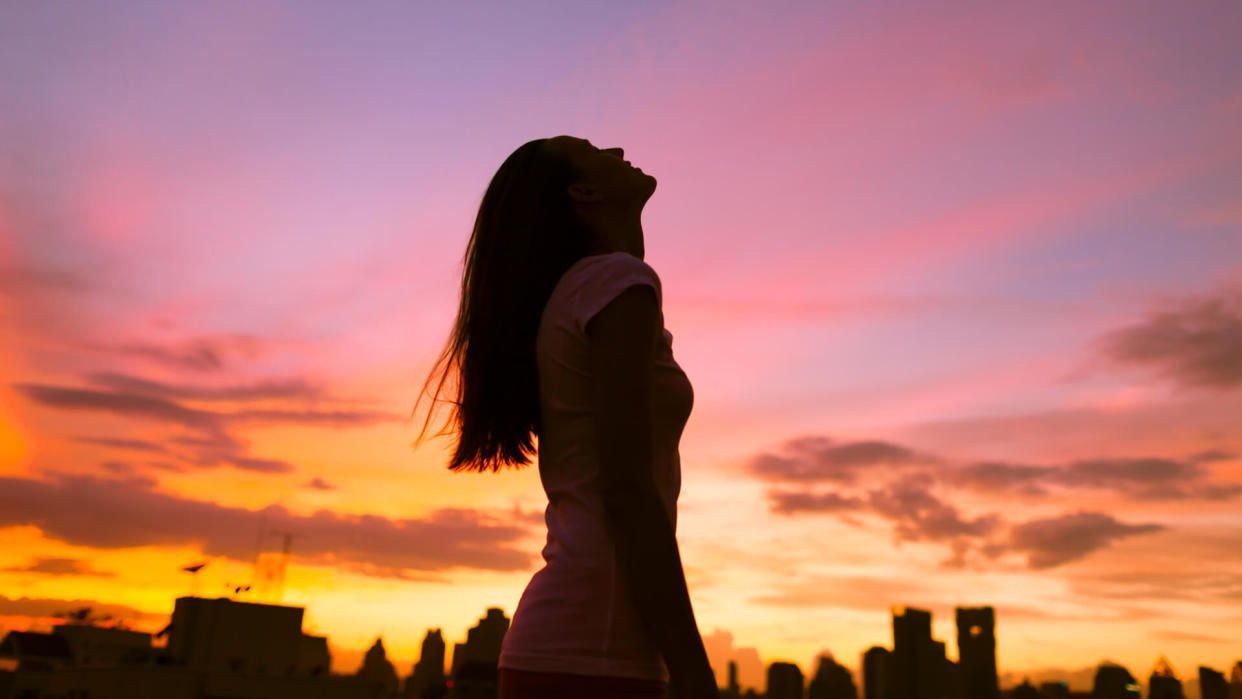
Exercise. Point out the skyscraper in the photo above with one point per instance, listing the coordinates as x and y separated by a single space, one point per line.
976 652
784 681
1212 684
376 666
474 669
875 670
832 681
428 677
1163 682
917 667
1113 681
733 690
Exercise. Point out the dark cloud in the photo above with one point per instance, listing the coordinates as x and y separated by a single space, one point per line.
89 511
1207 457
921 516
59 566
249 463
210 442
994 476
131 444
1218 587
23 280
118 467
331 418
126 404
793 502
202 354
165 466
915 493
1150 478
285 389
215 441
1196 342
1172 635
320 484
1125 473
49 607
1054 541
819 459
156 408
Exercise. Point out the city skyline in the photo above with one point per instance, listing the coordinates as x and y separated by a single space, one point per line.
958 291
266 643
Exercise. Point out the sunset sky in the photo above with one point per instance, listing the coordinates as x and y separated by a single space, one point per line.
958 287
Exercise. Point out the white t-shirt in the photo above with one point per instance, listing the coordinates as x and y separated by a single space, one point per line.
575 615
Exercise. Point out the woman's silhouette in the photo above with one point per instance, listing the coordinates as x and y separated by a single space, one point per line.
560 336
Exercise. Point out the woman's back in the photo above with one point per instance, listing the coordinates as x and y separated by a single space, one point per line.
575 615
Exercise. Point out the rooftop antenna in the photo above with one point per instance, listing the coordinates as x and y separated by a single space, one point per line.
193 571
270 568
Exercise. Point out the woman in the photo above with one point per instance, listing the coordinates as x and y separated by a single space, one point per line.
560 335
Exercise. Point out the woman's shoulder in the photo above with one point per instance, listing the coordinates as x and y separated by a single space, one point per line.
609 266
595 280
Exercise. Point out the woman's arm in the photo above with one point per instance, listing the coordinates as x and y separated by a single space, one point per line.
622 340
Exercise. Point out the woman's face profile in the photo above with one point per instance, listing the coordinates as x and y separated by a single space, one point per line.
607 177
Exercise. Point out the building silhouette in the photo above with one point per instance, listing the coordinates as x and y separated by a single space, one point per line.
1112 681
732 690
427 681
1026 690
875 668
474 672
226 649
976 652
918 667
1055 690
1163 682
832 681
377 667
1212 684
218 648
784 681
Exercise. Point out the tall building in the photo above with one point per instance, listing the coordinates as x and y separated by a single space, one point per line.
875 669
1113 681
377 667
917 667
427 681
832 681
949 683
474 672
216 648
733 690
976 653
1212 684
1163 682
784 681
227 636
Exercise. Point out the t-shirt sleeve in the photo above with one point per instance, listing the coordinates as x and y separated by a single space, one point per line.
604 281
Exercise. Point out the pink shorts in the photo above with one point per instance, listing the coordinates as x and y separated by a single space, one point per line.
524 684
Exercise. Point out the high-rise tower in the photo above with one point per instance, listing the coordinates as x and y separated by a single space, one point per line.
976 652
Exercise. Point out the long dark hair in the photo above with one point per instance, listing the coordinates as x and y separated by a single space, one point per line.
525 237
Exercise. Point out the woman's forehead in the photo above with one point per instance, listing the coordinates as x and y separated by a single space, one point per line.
573 141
